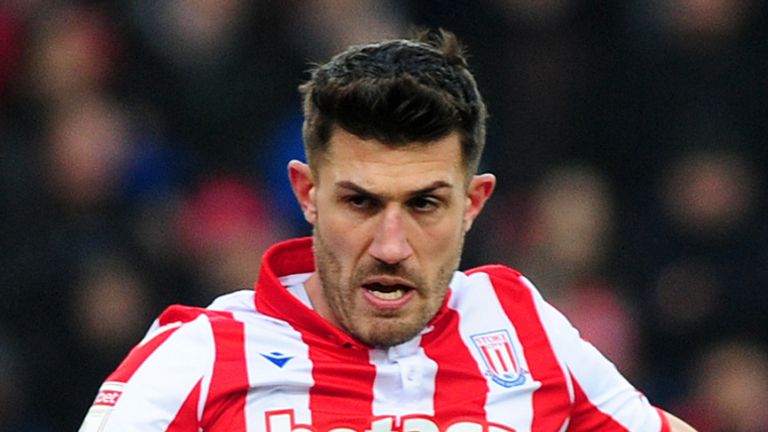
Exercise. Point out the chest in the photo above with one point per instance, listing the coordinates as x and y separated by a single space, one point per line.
441 382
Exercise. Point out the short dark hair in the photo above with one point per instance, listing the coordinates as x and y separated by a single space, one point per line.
398 92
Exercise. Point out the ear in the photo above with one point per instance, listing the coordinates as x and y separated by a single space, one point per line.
303 184
480 189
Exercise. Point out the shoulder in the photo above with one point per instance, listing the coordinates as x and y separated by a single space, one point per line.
194 331
224 312
517 296
237 302
496 276
502 286
496 271
221 309
180 333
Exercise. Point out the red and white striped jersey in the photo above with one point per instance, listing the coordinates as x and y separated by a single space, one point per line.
496 358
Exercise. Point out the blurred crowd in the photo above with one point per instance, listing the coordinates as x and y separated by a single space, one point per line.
143 151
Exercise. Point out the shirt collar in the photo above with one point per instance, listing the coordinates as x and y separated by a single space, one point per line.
273 299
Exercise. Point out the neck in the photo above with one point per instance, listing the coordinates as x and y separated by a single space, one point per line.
314 288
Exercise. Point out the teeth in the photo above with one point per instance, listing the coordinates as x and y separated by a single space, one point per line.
394 295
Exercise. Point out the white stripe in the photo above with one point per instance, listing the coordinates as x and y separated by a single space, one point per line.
554 334
156 330
153 395
275 338
405 380
604 386
474 298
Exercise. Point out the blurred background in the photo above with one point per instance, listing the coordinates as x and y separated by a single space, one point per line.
143 151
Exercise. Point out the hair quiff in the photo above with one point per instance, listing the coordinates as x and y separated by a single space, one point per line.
398 92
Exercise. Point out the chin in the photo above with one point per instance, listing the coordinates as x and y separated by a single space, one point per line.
388 332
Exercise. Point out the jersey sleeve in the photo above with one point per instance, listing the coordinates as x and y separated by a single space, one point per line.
159 386
602 398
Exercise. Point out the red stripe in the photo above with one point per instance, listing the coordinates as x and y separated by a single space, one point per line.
460 391
138 355
336 367
665 427
551 402
225 405
501 360
179 313
511 357
186 418
488 356
585 416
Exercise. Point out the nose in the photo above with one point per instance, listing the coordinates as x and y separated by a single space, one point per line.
390 241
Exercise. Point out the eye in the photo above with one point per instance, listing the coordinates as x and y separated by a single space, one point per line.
424 203
362 202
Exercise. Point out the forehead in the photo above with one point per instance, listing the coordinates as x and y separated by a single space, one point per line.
369 162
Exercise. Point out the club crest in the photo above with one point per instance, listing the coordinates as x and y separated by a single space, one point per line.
498 353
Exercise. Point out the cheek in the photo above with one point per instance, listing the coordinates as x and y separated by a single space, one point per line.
447 233
344 240
441 245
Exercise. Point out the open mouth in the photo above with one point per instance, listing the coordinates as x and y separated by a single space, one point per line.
386 292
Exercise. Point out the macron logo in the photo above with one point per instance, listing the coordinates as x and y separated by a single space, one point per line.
277 358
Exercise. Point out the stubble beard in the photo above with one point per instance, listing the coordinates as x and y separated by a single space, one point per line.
384 329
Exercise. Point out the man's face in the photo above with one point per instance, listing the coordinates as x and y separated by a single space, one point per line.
389 225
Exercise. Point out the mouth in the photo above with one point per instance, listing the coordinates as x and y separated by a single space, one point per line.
388 293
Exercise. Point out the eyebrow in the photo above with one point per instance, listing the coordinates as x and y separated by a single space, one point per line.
438 184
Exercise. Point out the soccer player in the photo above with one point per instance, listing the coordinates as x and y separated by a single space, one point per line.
368 325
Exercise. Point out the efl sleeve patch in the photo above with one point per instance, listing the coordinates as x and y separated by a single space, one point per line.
108 396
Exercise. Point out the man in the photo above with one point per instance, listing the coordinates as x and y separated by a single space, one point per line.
367 326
